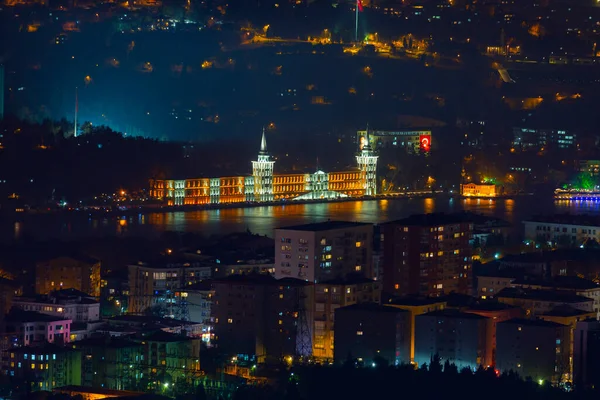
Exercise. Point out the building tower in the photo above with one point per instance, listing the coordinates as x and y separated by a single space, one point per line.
262 171
367 163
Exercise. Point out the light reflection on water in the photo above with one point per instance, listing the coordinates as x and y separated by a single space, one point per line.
263 220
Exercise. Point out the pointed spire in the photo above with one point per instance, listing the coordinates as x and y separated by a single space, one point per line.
367 145
317 164
263 142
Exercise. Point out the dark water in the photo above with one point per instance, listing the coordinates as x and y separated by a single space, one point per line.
263 220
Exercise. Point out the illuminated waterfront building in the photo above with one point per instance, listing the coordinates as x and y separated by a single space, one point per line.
483 190
413 141
265 186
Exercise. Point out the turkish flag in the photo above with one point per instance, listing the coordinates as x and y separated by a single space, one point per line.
359 5
425 143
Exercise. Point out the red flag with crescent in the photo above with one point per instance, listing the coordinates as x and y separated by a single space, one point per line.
359 5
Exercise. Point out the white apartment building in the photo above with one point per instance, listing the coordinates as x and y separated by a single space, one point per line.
563 228
321 251
69 304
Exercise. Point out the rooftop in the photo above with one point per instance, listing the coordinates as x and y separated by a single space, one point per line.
371 307
162 336
106 341
325 226
351 279
415 301
583 255
490 306
542 295
62 297
434 219
146 320
458 300
44 348
31 316
85 389
567 311
559 282
532 322
451 313
567 219
258 279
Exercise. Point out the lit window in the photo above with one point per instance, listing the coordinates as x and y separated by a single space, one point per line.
59 309
32 366
439 286
348 290
281 295
326 290
358 244
229 320
396 286
520 329
359 333
358 268
280 322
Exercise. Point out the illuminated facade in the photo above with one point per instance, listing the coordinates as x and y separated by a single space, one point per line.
265 186
414 142
483 190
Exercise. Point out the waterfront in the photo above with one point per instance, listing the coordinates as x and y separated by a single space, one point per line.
263 220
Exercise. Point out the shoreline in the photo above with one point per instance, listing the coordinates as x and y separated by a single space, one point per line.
115 211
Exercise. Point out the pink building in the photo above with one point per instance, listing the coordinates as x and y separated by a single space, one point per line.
30 328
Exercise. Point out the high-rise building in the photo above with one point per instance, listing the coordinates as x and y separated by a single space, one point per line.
331 295
533 348
416 306
326 250
45 367
161 283
586 354
538 302
495 312
262 318
111 363
458 337
76 272
368 332
427 254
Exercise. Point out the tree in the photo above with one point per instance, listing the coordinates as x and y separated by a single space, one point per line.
200 392
435 365
584 181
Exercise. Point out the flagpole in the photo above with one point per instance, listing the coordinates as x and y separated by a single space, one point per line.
356 23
